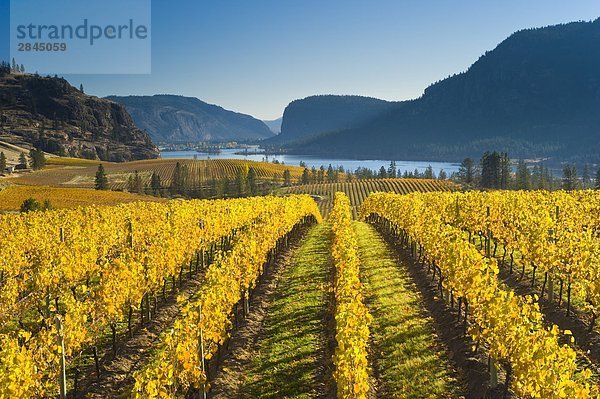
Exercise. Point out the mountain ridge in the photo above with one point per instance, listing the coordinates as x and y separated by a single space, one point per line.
328 113
536 94
172 118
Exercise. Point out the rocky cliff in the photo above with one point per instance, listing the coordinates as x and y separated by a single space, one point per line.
50 114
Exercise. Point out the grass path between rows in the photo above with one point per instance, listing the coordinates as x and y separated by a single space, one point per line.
290 359
407 356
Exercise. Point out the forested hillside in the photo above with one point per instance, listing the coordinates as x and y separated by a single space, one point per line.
537 94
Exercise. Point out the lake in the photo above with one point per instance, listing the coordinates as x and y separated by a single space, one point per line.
310 161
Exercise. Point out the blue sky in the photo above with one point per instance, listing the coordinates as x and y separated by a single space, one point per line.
256 56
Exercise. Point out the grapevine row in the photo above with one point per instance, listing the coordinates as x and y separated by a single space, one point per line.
538 365
557 232
91 267
178 365
352 318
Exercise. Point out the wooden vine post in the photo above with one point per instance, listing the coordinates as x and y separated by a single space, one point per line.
488 242
202 359
550 281
246 304
62 377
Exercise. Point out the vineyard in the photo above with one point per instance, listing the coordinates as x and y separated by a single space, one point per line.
66 172
358 190
11 198
428 295
537 363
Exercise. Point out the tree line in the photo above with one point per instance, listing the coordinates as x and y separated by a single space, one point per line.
495 171
182 184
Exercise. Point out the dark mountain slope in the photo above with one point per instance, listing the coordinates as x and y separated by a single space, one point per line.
177 119
536 94
316 115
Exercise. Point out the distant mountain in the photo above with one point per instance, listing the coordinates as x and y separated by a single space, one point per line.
306 118
50 114
274 125
536 95
177 119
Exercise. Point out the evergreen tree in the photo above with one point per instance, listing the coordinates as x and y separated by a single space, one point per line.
505 171
538 178
548 179
382 173
23 159
225 188
523 176
2 162
492 170
155 184
241 181
586 176
130 183
81 88
179 180
14 65
252 184
321 174
466 171
135 184
330 174
392 171
287 177
569 181
313 175
214 187
305 179
442 175
101 182
22 68
428 174
37 159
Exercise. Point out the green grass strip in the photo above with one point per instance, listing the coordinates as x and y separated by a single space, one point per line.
292 353
408 360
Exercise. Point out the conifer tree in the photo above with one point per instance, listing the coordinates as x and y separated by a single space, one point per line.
37 159
392 171
101 182
287 178
155 184
305 179
523 176
23 159
569 177
466 173
252 184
